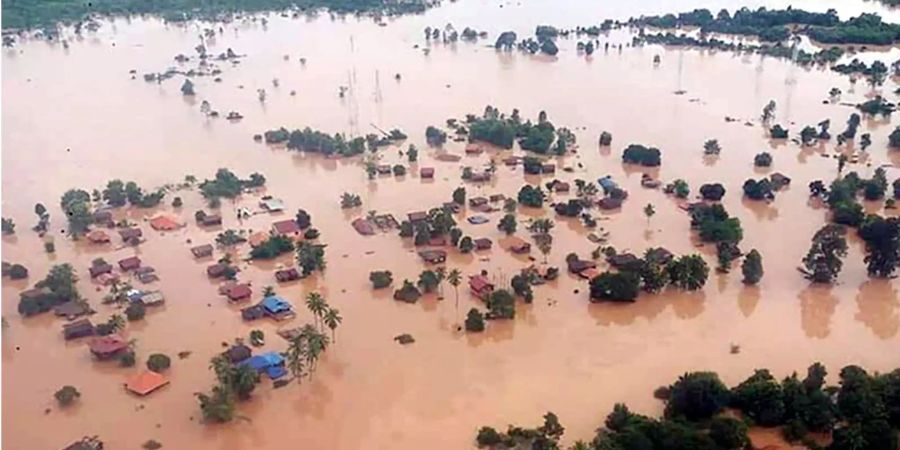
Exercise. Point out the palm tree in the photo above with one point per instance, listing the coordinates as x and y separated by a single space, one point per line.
332 320
268 291
117 322
222 368
316 305
296 357
649 211
454 278
316 343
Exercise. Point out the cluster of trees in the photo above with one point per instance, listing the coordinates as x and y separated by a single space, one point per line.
233 382
14 271
777 50
502 131
714 224
841 195
435 136
688 272
76 204
772 25
531 196
226 184
276 245
8 226
57 287
544 437
315 141
861 412
381 278
712 191
118 193
310 257
439 222
40 14
758 189
638 154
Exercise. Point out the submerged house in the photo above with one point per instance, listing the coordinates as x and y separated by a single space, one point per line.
433 256
624 261
277 307
286 227
480 286
78 329
286 275
107 347
145 382
363 226
164 223
271 204
518 245
99 269
577 265
272 363
417 216
130 263
72 309
482 244
202 251
238 353
426 173
238 292
98 237
129 235
217 270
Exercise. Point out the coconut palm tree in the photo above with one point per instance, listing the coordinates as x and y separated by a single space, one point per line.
268 291
454 278
332 320
117 322
316 305
316 342
296 357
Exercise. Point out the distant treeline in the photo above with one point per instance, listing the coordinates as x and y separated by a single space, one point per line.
775 25
21 14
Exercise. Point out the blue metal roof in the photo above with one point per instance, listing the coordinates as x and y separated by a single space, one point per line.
264 361
275 304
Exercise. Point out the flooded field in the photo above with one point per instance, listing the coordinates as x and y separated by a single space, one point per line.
74 118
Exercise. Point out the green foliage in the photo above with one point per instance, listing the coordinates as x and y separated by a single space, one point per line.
688 272
398 170
16 272
459 196
507 224
273 247
257 338
715 225
713 192
758 190
752 268
435 136
75 203
229 238
158 362
729 433
605 138
531 196
882 238
217 406
763 159
615 286
777 132
7 226
66 395
135 311
680 188
428 281
544 437
381 278
501 305
310 257
126 359
60 288
823 261
349 200
638 154
407 293
466 245
696 396
761 398
475 323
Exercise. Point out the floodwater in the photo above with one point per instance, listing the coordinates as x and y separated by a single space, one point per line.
74 118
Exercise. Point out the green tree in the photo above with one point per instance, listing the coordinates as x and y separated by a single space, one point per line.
688 272
455 278
310 257
217 406
507 224
752 267
66 395
823 261
428 281
8 226
761 398
696 396
114 194
466 245
475 321
381 278
317 305
615 286
501 305
882 238
412 153
332 319
649 211
158 362
729 433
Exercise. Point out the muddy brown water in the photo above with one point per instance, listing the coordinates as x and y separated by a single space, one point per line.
74 118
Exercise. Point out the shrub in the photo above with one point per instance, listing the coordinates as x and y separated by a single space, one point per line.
17 272
638 154
127 359
135 311
763 159
158 362
381 278
488 437
475 321
66 395
615 286
714 191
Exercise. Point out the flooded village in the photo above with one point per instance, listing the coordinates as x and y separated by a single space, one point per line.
480 225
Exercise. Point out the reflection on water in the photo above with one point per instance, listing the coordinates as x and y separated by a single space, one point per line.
89 123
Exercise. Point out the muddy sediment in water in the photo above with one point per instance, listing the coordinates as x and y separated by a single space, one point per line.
89 123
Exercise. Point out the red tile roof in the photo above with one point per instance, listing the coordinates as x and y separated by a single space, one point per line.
130 263
286 227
